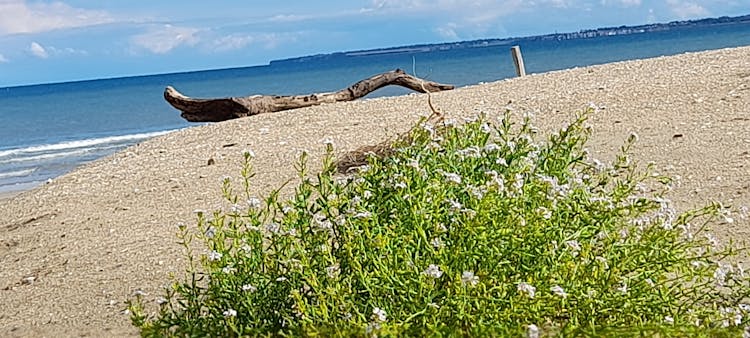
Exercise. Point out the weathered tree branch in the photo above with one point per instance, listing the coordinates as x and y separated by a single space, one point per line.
214 110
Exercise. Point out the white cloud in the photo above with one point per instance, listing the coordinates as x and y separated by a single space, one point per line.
466 19
163 39
19 16
232 42
44 52
37 50
290 18
3 59
687 9
448 31
623 3
237 41
631 3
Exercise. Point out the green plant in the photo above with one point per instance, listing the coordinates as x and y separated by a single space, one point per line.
460 230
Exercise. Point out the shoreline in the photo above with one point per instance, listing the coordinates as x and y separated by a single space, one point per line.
92 237
6 195
19 189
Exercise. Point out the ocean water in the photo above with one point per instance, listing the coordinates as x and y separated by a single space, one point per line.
48 130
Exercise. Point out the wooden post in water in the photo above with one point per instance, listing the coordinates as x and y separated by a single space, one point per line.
515 51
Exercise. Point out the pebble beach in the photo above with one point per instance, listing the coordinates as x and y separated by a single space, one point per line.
75 249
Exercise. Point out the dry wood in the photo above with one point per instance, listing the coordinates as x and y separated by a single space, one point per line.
222 109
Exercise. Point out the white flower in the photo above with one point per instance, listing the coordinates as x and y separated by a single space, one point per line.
485 128
230 313
623 288
322 222
546 213
254 203
273 228
367 194
333 270
532 331
379 315
455 205
470 152
412 163
519 181
363 214
526 288
669 320
468 277
249 288
720 275
327 141
210 232
452 177
433 271
574 246
437 243
281 279
400 185
698 264
602 261
711 240
558 291
477 192
491 147
214 256
624 233
228 269
248 153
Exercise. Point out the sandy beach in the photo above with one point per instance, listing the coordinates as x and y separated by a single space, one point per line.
73 250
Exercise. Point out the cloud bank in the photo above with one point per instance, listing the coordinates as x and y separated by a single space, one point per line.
19 16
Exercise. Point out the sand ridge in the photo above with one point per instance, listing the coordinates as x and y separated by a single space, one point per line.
72 251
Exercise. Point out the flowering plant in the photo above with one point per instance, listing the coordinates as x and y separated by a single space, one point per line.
462 229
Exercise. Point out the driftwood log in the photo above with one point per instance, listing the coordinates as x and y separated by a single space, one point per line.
222 109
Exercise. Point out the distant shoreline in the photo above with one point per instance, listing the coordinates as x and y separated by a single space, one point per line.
583 34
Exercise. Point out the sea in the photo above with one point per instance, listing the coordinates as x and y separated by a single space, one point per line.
50 129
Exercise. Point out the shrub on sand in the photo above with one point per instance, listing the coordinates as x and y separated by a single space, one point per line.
461 230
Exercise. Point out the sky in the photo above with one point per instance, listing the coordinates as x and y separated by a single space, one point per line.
69 40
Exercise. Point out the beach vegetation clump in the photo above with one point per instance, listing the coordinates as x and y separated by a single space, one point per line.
462 229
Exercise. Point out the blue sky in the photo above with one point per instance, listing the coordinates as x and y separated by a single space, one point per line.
54 41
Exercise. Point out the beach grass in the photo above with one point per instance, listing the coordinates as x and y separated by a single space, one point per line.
471 228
